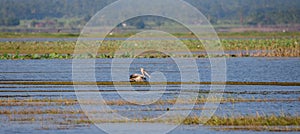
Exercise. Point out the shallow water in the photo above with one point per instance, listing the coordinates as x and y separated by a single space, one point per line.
238 69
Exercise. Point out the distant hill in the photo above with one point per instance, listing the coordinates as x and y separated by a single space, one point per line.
246 12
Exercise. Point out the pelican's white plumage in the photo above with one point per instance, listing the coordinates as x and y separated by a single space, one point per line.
139 77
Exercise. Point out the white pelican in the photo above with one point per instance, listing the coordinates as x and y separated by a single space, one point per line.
139 77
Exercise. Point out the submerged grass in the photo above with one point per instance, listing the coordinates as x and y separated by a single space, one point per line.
254 123
66 102
33 112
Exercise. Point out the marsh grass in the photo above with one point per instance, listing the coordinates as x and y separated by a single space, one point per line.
258 128
258 120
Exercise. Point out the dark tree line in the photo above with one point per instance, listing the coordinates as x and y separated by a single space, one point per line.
249 12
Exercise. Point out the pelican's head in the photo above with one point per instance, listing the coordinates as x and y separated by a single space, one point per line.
144 72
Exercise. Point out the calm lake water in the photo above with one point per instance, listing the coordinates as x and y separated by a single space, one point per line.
238 69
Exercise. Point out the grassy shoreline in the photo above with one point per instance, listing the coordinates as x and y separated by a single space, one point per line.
243 44
232 48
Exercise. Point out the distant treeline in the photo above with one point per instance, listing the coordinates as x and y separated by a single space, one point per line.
244 12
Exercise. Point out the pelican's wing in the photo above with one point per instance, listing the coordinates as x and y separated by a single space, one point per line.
135 75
